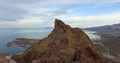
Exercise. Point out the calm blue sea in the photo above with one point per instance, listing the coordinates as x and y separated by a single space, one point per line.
8 35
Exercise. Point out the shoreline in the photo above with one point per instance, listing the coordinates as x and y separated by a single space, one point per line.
111 41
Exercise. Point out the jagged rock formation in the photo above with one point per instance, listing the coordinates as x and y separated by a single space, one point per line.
63 45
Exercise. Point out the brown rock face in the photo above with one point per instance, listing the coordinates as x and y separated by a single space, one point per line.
63 45
3 59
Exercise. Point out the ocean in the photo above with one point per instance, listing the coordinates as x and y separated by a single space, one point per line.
8 35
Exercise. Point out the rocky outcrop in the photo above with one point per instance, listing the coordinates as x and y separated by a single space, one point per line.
63 45
24 41
3 58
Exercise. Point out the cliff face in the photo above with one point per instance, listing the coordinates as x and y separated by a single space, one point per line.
63 45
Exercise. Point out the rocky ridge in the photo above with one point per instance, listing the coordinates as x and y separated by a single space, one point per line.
63 45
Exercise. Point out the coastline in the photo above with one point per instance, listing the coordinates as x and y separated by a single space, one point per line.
98 42
111 42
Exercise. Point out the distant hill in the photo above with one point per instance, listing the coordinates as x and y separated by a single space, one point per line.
110 38
116 26
105 28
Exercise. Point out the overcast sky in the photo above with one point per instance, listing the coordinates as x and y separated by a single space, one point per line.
41 13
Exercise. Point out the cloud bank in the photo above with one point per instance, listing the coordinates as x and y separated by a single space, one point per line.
39 13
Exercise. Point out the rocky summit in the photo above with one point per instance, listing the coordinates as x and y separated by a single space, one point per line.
63 45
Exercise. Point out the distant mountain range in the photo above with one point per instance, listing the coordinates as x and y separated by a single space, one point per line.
105 28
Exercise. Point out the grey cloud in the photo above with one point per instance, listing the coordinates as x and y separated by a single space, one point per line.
20 1
50 13
48 16
61 11
11 10
11 14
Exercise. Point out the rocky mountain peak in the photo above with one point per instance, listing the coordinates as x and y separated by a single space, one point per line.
63 45
60 25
